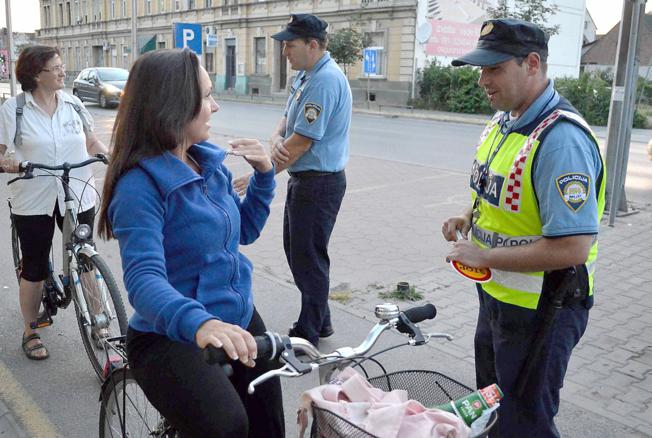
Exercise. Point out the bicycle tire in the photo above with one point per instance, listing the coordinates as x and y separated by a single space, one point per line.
116 326
15 250
140 418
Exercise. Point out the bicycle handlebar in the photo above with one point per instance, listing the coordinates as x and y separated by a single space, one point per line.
272 346
28 167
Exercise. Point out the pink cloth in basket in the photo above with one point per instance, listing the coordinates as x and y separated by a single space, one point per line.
380 413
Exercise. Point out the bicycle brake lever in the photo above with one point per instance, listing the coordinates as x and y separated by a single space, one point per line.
439 335
284 371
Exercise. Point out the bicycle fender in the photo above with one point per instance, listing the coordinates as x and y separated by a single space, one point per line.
87 250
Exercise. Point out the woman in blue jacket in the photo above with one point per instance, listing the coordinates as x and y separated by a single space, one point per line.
169 202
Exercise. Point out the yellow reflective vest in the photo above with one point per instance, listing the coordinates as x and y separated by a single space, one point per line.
507 214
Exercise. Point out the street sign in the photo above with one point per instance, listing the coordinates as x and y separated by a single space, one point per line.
188 35
211 40
370 57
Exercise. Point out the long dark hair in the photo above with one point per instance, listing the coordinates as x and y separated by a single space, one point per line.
161 97
31 61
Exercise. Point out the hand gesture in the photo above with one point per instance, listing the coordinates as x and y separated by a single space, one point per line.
241 183
453 224
8 165
253 151
237 343
279 153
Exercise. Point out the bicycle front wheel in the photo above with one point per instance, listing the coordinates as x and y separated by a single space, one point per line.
15 250
126 412
104 314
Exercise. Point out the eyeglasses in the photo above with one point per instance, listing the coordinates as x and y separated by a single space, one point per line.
56 68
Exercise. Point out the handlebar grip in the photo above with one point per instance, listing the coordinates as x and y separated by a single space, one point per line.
264 345
421 313
416 315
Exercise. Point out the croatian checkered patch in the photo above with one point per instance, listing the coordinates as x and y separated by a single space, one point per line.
515 178
574 189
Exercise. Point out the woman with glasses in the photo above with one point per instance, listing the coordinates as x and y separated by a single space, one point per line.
54 128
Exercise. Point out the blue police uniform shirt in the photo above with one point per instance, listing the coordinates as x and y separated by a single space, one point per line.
567 152
319 107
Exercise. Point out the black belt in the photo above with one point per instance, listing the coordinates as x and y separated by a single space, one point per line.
311 173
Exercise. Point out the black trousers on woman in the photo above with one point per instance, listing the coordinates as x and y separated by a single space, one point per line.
198 399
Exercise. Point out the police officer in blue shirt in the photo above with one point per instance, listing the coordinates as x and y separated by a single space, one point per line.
311 141
537 190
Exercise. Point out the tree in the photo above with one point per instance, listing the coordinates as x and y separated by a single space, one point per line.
534 11
345 46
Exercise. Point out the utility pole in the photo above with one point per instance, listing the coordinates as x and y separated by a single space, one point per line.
10 39
621 112
134 22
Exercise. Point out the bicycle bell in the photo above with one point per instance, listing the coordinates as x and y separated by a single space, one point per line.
386 311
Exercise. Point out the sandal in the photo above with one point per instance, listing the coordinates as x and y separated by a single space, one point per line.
29 351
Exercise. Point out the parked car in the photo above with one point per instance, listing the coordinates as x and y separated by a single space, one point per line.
100 84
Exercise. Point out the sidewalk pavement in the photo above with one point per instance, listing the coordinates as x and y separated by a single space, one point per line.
388 230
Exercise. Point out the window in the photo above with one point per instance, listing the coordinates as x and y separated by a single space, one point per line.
177 5
68 14
209 3
161 44
148 7
125 57
46 16
112 9
124 8
191 5
377 44
60 21
209 63
77 58
161 6
260 61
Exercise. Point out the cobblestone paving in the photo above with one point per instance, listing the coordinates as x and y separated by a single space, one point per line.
389 230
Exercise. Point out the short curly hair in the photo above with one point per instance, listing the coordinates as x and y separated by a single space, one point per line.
31 62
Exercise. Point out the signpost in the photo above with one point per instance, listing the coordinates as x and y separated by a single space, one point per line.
188 35
369 65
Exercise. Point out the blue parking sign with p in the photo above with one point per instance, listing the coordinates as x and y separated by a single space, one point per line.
188 35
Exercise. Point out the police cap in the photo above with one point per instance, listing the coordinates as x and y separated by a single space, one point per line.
303 26
503 39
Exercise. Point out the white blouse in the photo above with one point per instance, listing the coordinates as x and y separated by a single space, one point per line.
52 141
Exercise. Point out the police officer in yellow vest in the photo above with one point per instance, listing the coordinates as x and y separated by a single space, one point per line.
537 196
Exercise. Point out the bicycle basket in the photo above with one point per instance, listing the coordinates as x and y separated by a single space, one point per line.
427 387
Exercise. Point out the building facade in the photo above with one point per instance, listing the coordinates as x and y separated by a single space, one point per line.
238 51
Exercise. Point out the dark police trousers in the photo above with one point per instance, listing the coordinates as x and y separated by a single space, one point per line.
311 206
503 338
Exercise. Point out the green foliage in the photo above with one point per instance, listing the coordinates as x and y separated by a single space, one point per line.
410 294
534 11
345 46
451 89
591 95
446 88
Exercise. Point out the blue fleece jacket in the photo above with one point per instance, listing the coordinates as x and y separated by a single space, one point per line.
179 234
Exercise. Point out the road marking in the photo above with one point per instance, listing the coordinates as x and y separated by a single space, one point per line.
25 410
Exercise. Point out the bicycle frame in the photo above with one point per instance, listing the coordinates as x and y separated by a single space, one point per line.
71 248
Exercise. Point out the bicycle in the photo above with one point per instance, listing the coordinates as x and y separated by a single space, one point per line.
125 411
85 277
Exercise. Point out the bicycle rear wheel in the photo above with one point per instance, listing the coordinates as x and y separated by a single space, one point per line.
126 412
106 312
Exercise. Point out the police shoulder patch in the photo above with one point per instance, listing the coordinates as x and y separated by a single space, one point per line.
311 112
574 189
